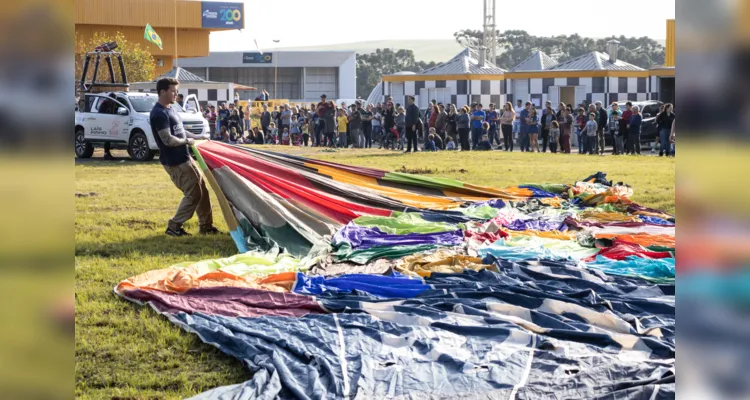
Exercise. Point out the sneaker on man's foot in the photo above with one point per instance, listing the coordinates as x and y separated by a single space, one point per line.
210 231
176 233
108 157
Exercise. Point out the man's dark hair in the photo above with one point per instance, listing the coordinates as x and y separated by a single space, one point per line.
629 104
165 83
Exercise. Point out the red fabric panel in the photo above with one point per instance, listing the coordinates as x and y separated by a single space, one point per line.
286 183
621 250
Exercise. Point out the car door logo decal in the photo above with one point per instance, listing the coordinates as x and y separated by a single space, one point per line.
115 129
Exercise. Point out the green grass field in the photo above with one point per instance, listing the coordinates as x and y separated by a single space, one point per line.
128 351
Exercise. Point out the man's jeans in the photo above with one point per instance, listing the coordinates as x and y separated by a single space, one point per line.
476 136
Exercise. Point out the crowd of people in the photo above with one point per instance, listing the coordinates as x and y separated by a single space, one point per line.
445 127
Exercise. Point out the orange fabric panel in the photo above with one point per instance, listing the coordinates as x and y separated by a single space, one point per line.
643 239
179 280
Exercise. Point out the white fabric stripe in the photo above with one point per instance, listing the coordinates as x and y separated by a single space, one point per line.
656 390
527 371
342 356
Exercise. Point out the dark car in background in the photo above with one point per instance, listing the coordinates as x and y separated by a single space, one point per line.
649 110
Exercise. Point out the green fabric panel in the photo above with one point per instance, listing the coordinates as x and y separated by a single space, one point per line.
661 248
403 223
557 188
435 183
201 162
254 264
391 252
480 212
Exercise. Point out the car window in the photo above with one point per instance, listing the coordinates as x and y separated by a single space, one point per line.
90 104
107 106
143 104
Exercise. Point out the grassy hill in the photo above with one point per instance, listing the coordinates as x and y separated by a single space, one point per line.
438 50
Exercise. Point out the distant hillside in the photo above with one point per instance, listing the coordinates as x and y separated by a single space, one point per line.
424 50
438 50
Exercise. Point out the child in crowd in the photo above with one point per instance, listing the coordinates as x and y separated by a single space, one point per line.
484 144
486 130
233 135
449 143
429 145
273 134
305 134
436 138
580 127
590 131
285 140
294 127
554 136
342 120
224 135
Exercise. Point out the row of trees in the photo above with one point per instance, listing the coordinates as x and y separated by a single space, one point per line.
371 67
514 46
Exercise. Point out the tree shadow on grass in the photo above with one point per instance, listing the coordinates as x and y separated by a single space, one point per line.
161 245
117 162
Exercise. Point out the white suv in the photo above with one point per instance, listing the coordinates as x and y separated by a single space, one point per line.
122 120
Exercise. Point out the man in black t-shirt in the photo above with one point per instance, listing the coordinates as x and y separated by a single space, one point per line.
173 141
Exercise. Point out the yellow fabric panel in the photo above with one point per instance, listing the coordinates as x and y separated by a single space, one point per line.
606 216
442 261
506 194
408 198
555 202
543 234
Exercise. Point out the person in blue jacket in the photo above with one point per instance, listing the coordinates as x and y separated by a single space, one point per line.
429 145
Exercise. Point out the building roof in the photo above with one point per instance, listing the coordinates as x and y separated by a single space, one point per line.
181 75
465 62
376 95
281 58
595 61
535 62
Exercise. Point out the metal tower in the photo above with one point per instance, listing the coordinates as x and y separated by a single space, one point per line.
489 37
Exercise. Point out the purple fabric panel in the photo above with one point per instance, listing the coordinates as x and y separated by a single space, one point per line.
229 301
364 238
574 223
538 225
354 234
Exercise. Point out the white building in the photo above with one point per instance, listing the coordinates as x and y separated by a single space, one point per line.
293 75
193 84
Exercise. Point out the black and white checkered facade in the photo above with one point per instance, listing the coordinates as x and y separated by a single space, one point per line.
583 89
459 92
213 93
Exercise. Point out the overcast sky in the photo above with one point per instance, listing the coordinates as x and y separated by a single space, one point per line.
309 23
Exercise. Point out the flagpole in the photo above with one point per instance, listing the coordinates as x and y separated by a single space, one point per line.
175 33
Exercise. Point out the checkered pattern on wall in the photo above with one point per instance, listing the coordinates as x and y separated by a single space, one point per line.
461 92
205 96
591 90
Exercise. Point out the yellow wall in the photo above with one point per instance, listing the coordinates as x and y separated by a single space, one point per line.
190 42
158 13
670 51
131 16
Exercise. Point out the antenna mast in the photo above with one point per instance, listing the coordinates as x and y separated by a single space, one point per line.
489 37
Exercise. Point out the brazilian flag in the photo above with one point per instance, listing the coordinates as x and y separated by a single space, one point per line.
152 36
